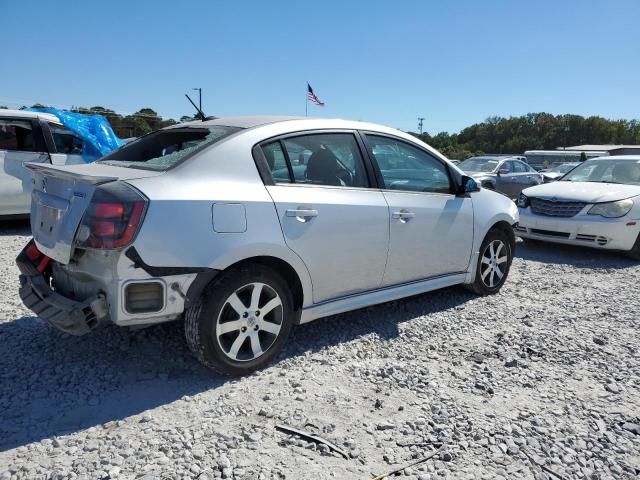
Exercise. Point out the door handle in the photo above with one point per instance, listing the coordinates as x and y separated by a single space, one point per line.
403 215
301 214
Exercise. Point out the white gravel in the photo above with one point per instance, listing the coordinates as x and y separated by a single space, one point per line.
543 377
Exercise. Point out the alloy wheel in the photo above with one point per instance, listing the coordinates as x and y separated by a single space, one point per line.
249 322
494 263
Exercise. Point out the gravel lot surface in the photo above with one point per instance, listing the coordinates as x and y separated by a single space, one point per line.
542 378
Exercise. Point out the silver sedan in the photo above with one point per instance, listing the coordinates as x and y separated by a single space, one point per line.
248 226
506 175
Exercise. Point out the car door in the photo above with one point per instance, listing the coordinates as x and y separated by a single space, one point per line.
431 229
20 142
506 181
533 177
523 176
330 217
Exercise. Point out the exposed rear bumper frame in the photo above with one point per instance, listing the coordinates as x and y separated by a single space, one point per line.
70 316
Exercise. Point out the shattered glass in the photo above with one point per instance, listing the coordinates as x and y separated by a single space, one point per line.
172 154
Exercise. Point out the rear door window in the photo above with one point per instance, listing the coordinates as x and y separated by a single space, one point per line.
331 159
17 135
274 155
65 140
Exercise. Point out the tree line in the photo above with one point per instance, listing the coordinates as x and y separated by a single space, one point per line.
513 135
139 123
534 131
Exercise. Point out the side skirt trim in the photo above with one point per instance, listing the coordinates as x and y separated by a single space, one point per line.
386 294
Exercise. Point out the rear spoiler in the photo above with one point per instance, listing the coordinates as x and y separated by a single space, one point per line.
62 172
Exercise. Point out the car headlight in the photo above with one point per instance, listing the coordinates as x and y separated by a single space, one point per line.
612 209
523 201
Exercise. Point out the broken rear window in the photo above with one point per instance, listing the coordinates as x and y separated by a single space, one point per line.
165 149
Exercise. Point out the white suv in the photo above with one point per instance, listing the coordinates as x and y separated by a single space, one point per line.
30 137
249 226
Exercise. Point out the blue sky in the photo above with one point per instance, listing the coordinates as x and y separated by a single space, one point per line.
454 62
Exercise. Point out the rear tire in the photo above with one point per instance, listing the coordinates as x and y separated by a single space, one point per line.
494 263
241 321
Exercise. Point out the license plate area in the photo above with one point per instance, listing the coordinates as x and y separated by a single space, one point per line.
49 217
57 206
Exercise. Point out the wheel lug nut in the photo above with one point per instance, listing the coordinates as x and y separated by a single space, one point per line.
257 313
243 329
245 314
256 328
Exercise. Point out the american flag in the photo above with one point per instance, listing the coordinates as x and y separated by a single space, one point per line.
312 96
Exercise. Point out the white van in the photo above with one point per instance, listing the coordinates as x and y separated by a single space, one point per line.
30 137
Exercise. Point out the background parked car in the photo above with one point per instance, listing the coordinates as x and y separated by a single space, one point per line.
555 172
30 137
596 204
248 226
508 176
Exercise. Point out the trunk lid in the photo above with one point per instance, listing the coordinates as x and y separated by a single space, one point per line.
60 197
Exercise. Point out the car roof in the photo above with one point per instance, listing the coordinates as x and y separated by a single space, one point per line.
239 121
298 122
26 114
618 157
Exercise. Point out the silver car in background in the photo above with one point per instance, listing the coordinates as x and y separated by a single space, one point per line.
248 226
506 175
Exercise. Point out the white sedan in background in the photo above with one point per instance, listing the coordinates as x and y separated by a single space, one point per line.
597 205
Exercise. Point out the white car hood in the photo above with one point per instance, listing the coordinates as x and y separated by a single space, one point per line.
588 192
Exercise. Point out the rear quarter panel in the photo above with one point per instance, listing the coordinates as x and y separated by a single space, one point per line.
178 228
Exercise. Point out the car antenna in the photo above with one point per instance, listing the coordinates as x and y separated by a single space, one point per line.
199 114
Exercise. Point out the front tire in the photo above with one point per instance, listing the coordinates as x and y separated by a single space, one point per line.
494 263
241 321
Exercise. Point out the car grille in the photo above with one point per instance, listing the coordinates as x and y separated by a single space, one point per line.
555 209
550 233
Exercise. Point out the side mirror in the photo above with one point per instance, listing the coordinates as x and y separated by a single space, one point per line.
503 171
468 185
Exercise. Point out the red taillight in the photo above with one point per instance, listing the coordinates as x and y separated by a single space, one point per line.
109 210
113 217
37 258
102 228
32 251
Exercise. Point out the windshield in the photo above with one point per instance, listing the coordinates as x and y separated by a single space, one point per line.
164 149
564 168
606 171
479 164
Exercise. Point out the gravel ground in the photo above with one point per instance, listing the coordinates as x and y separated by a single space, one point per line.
540 381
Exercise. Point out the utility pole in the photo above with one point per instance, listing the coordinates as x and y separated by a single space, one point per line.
420 120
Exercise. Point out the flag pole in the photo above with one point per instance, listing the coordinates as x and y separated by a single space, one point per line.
306 100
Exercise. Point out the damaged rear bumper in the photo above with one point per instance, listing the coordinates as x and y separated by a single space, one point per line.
70 316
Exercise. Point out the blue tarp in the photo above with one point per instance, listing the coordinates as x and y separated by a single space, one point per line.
94 130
